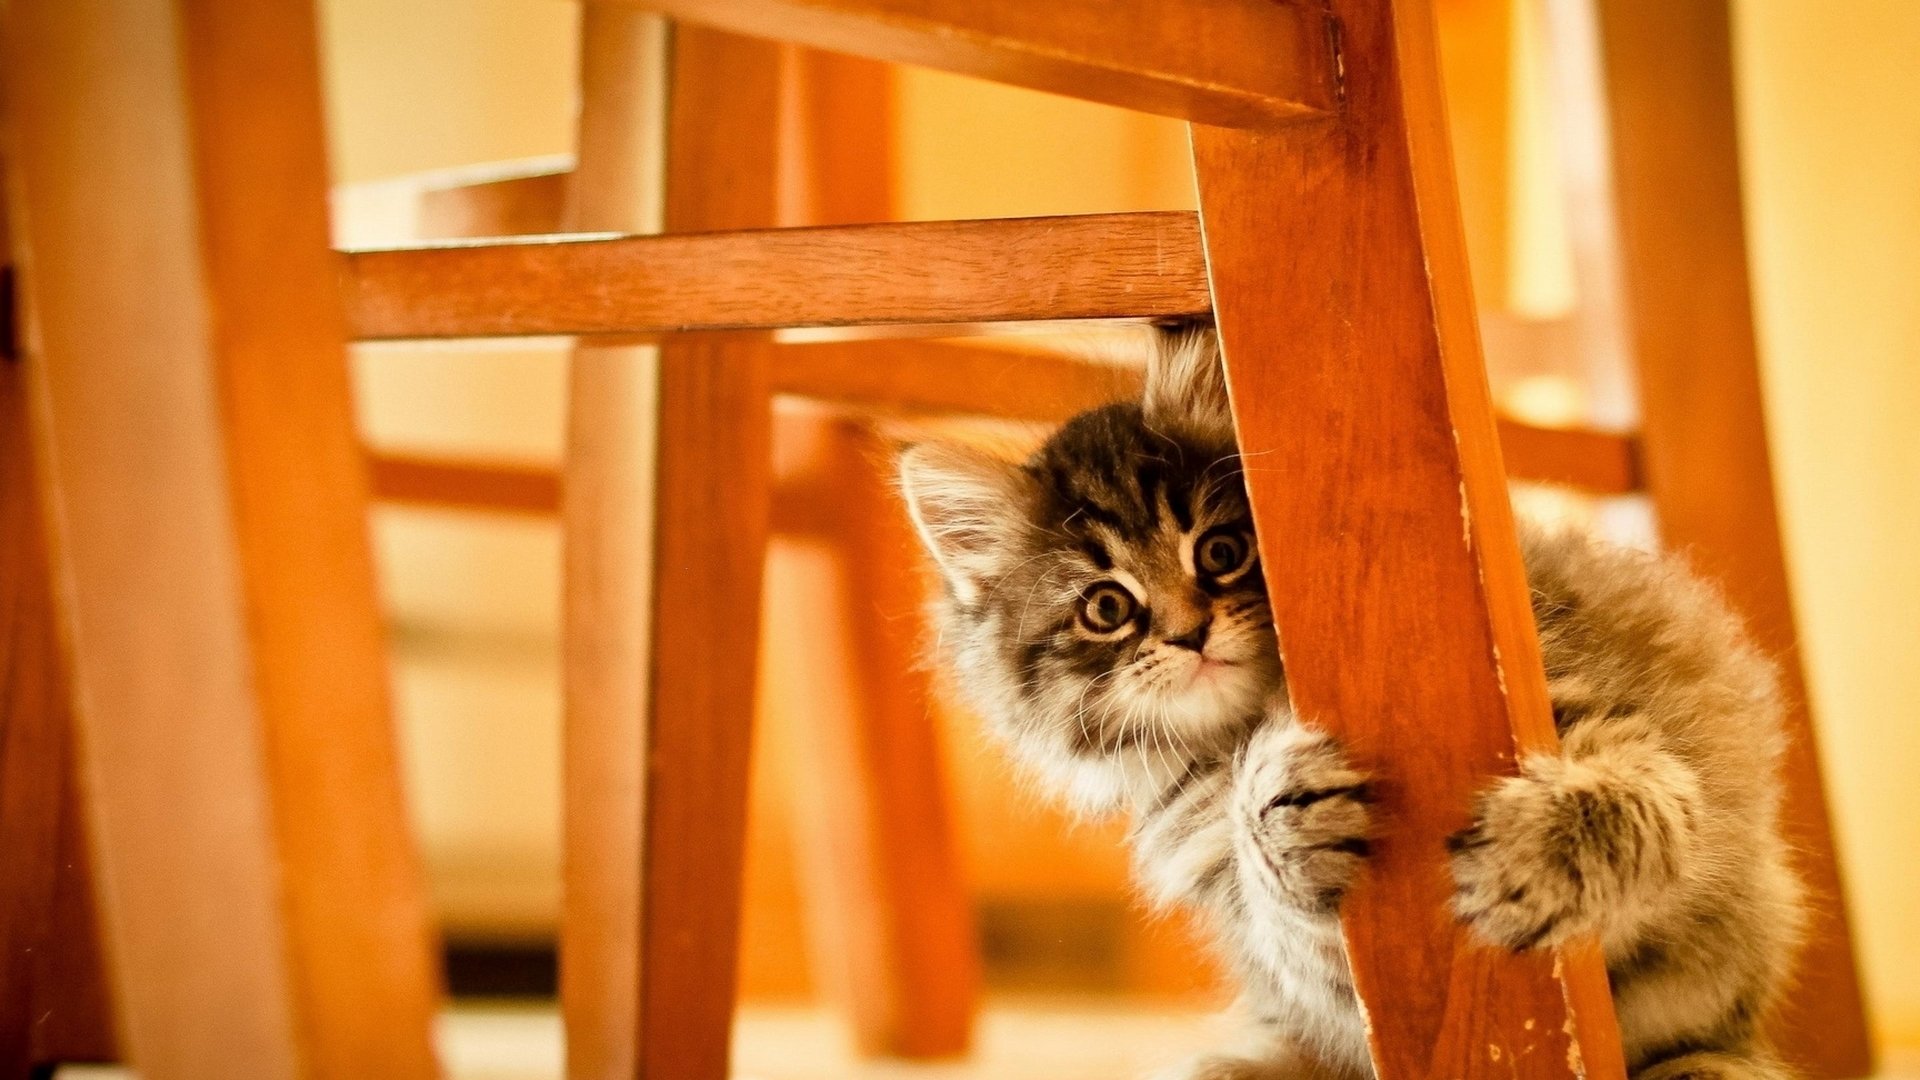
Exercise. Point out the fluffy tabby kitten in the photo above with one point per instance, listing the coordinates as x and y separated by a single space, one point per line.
1104 609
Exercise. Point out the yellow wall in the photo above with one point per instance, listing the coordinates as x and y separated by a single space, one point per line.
415 85
1831 97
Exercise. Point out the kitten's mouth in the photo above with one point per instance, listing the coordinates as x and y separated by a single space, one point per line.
1210 667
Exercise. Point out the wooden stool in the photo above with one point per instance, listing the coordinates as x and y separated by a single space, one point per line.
1329 147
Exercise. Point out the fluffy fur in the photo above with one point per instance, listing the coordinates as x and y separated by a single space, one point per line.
1655 828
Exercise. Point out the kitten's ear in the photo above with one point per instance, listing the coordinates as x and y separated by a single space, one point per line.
967 506
1187 384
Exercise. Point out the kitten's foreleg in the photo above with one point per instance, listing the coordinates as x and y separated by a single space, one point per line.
1303 817
1591 840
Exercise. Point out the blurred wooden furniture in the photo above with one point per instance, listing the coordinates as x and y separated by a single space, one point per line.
895 933
891 930
943 273
184 378
1744 553
1363 153
1663 263
1347 126
52 1001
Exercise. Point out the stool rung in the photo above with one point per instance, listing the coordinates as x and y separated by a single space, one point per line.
1103 266
507 487
955 378
1237 63
1538 454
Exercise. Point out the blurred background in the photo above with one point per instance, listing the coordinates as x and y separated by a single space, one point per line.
420 94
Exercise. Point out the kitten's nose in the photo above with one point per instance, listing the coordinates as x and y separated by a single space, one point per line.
1195 637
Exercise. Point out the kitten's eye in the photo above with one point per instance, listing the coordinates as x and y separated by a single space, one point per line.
1106 607
1222 551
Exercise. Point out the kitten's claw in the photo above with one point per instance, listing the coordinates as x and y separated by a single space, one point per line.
1517 876
1306 812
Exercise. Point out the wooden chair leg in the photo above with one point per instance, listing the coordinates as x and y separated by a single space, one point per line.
607 525
892 923
72 1006
891 920
263 910
1340 286
32 746
53 1004
51 996
671 647
1676 170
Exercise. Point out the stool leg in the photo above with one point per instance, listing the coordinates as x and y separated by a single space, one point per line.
33 759
188 387
661 661
52 1000
607 521
1669 87
1340 286
73 1009
892 923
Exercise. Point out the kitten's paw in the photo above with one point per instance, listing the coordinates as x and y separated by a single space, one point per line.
1517 871
1306 812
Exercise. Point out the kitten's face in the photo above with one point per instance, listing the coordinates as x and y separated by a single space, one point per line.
1135 592
1104 603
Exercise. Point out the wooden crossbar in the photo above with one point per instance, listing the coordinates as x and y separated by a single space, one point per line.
491 486
1101 266
1238 63
1589 461
956 378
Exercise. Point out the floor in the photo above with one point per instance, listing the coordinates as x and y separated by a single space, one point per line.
1038 1038
1027 1039
1051 1039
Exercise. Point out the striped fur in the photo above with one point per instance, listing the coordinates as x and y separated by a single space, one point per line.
1656 827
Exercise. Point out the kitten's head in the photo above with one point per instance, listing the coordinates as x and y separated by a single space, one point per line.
1103 604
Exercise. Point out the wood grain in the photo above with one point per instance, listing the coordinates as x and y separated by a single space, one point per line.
1234 62
950 378
524 205
890 916
169 731
956 273
73 1006
958 378
882 858
657 756
1675 159
963 378
53 994
33 761
608 531
710 547
1148 265
50 984
263 911
1347 318
1582 459
362 939
940 378
493 486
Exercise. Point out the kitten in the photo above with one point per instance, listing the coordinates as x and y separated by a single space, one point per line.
1104 610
